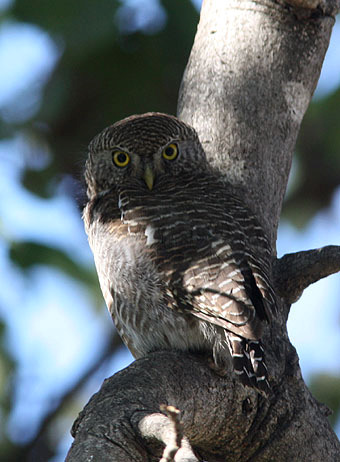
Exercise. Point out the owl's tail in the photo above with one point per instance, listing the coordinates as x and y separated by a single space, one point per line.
249 362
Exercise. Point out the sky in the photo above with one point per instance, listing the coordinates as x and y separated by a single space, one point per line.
45 306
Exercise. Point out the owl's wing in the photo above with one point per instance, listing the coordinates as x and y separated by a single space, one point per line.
228 292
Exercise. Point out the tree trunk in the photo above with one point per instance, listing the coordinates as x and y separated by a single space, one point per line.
251 74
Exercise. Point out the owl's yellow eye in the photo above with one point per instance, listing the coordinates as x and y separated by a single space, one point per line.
170 152
120 158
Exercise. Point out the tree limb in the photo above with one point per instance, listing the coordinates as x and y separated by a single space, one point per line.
222 419
294 272
251 74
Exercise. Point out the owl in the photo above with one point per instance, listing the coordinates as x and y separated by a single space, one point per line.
182 263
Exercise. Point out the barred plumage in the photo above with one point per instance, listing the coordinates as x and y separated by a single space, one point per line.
182 263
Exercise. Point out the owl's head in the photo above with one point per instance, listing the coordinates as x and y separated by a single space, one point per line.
143 148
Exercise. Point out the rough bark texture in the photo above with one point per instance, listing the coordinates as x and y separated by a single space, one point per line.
250 77
296 271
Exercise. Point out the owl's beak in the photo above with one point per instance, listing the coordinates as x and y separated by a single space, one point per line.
149 177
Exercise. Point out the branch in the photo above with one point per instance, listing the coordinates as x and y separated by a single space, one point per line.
250 77
222 419
294 272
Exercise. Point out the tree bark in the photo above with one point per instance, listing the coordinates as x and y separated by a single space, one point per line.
250 77
251 74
